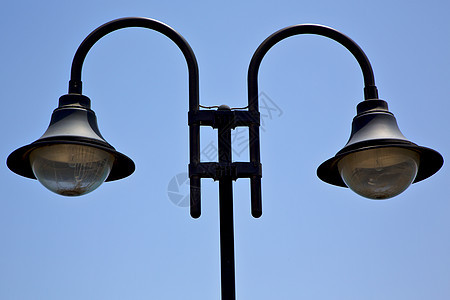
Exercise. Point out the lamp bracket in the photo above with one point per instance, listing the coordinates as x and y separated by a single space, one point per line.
216 118
220 170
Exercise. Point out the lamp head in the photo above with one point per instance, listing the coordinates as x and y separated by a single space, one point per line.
378 162
71 158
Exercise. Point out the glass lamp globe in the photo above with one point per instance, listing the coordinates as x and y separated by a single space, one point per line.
71 169
379 173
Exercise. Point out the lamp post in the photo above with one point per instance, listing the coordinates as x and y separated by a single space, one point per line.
72 158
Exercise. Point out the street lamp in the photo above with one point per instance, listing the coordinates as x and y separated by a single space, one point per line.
377 162
72 158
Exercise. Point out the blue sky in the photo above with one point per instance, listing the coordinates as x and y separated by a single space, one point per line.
129 240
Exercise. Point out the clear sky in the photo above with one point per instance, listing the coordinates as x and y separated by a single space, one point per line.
134 239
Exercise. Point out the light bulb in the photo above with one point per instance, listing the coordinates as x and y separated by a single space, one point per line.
379 173
71 169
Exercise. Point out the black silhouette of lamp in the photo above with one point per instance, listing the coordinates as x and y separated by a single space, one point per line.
377 162
72 158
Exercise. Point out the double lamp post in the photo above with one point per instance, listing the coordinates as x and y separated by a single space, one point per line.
72 158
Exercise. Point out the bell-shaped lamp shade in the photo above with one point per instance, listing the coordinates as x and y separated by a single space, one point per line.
378 162
71 158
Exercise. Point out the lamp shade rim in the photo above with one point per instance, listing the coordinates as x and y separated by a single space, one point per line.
19 160
430 160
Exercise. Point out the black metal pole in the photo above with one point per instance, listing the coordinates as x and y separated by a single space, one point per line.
227 239
224 133
226 214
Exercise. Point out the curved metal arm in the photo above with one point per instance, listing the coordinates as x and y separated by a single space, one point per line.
370 90
75 84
